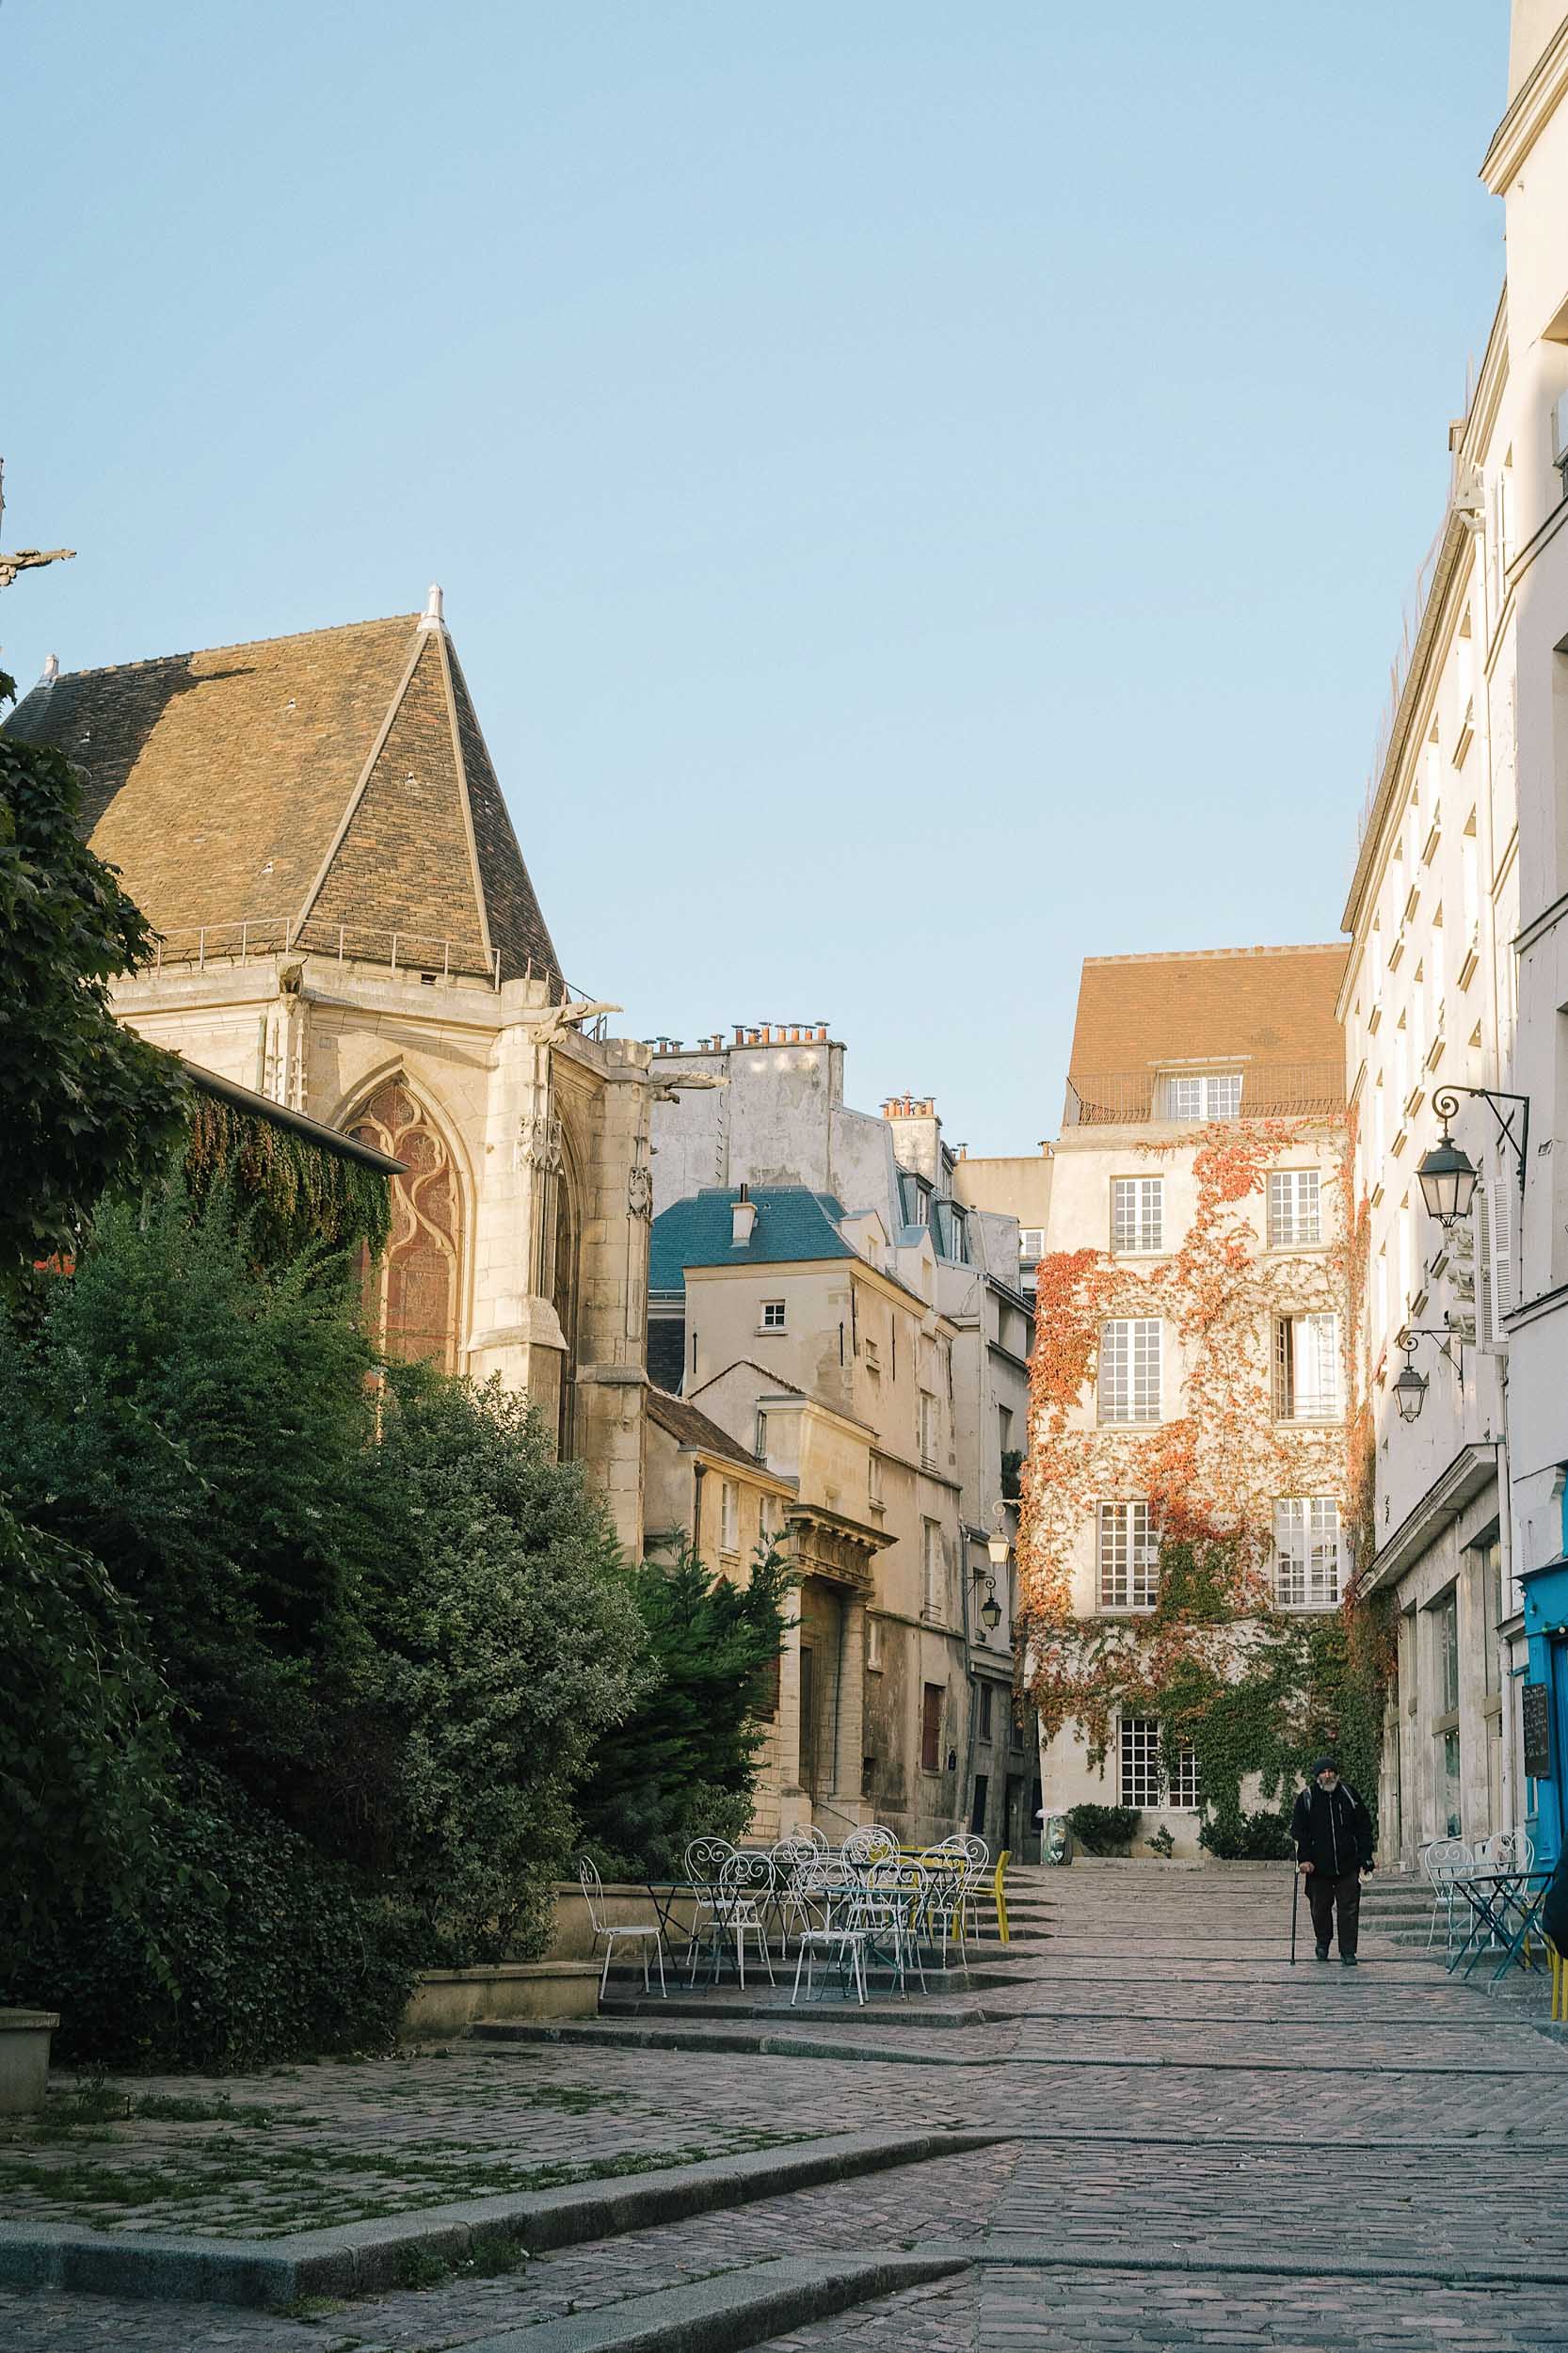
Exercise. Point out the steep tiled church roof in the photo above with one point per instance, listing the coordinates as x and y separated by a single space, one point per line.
331 785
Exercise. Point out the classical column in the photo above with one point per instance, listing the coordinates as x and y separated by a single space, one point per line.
848 1731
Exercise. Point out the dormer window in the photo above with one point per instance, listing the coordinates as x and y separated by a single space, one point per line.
1203 1094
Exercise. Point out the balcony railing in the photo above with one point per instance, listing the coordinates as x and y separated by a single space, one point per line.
1141 1099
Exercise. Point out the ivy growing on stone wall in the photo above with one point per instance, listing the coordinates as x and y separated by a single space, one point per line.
295 1194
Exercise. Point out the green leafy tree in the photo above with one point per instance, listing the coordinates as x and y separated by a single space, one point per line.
199 1426
82 1101
85 1747
504 1643
686 1760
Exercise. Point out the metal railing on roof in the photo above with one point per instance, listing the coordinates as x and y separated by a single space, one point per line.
1132 1099
260 936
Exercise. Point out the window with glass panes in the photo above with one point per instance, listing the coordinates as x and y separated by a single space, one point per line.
1129 1562
1129 1370
1137 1214
1307 1554
1204 1095
931 1566
1139 1755
1295 1207
1183 1791
730 1517
1307 1368
1446 1631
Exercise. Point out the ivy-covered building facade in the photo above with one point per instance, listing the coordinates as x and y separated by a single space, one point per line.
1195 1486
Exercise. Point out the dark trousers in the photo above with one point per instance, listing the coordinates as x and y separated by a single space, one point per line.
1323 1892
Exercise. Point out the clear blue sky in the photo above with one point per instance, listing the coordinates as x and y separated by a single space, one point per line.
923 494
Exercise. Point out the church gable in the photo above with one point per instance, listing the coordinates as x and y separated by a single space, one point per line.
405 863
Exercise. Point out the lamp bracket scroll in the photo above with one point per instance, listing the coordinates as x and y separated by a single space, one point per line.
1445 1102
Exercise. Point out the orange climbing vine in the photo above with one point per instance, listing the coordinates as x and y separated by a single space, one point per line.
1211 1472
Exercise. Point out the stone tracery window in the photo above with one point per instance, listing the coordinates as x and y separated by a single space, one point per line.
412 1294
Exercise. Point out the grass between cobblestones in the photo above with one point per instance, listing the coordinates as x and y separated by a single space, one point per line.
243 2182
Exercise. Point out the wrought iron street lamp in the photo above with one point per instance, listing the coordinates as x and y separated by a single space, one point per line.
1449 1176
1410 1388
1448 1182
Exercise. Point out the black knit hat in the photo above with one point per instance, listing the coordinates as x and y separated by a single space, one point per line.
1325 1765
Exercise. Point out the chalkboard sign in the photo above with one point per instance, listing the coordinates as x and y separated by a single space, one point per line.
1538 1730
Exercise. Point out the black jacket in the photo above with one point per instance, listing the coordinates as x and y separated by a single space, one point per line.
1554 1911
1333 1831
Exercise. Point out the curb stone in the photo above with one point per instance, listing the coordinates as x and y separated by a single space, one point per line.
1030 2253
726 2314
356 2257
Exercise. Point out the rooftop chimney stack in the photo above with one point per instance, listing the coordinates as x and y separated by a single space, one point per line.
743 1212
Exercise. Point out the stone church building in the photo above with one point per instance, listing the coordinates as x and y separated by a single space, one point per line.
315 828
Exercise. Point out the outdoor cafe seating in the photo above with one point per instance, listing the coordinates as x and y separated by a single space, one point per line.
865 1905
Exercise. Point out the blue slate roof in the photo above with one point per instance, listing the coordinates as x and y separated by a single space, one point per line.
792 1222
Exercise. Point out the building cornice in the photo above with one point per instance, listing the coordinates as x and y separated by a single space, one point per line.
1455 544
1438 1509
1529 115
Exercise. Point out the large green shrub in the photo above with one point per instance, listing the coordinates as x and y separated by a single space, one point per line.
202 1427
1236 1838
85 1747
685 1761
1103 1829
244 1947
503 1644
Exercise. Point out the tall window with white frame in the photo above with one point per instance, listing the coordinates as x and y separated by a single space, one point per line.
1129 1370
1307 1368
1137 1215
1128 1558
928 1430
1308 1552
730 1516
931 1568
1140 1761
1295 1207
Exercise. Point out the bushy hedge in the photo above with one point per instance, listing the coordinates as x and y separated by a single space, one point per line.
1103 1829
1260 1837
245 1947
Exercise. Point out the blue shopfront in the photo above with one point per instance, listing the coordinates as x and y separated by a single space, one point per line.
1544 1707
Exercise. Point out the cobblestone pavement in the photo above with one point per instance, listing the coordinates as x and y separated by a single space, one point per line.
1197 2137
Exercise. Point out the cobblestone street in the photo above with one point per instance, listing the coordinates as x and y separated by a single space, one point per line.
1194 2146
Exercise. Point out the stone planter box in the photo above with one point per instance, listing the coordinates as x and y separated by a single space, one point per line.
24 2058
445 2001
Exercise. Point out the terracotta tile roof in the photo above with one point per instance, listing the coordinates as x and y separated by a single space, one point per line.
1273 1005
689 1427
337 777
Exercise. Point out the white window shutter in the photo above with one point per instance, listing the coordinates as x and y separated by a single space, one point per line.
1496 1199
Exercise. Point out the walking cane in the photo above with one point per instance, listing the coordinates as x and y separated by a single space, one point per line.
1295 1906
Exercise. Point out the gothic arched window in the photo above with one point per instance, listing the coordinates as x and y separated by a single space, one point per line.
412 1291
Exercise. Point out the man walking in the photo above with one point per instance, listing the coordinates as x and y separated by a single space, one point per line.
1333 1832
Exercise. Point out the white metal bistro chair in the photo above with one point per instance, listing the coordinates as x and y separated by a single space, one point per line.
1444 1860
843 1940
745 1899
703 1862
872 1843
624 1931
892 1908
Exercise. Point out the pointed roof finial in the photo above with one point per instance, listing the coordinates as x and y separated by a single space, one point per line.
51 669
433 616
